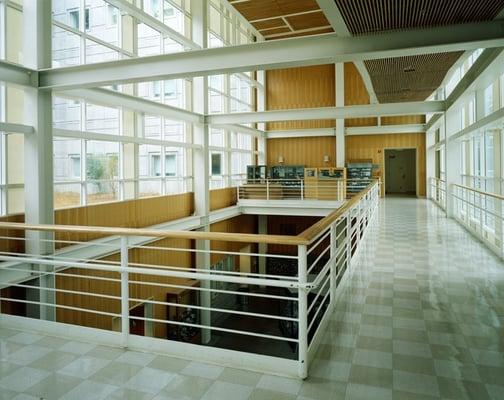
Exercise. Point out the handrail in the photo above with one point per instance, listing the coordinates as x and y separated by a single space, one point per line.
311 233
496 196
215 236
305 238
438 179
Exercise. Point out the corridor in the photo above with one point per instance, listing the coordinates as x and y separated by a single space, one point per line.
420 318
422 314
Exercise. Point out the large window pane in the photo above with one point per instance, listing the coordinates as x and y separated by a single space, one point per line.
102 171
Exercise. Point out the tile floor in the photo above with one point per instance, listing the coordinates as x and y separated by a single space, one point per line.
421 318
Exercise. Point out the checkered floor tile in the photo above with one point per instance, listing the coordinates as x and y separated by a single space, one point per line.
421 317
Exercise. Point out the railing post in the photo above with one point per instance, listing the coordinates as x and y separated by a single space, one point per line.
302 190
333 270
349 238
302 313
267 190
124 291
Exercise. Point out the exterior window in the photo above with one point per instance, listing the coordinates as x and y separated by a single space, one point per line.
488 100
477 156
169 11
155 165
75 166
216 164
156 88
154 8
73 18
170 164
489 154
170 89
112 15
86 19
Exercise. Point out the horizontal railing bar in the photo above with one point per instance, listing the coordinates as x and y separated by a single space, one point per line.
55 305
233 253
212 271
222 310
56 256
59 273
215 328
321 289
496 196
250 294
312 232
480 208
314 318
318 259
158 272
50 289
314 246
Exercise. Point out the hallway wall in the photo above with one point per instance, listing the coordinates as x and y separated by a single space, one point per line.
373 146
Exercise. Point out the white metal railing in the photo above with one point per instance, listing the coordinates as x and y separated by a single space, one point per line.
300 189
438 192
481 213
173 292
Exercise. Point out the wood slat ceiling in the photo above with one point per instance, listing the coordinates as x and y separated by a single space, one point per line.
411 78
278 19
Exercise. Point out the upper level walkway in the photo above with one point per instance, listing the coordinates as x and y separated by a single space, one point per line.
420 316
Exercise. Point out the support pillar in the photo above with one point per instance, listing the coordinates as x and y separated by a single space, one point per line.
263 247
201 161
38 147
340 123
261 106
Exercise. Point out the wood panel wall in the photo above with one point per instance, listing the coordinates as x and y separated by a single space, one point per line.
183 259
136 213
373 147
307 151
239 224
287 225
12 245
355 94
222 198
304 87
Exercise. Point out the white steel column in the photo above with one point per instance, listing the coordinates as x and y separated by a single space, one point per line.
201 170
340 123
262 227
38 148
261 106
452 157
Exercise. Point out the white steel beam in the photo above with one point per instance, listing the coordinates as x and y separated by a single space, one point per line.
16 128
350 131
154 23
358 111
311 50
301 133
119 138
486 59
116 99
333 15
385 129
240 128
17 74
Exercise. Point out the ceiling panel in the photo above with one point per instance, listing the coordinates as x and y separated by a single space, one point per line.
365 16
293 17
260 9
306 21
411 78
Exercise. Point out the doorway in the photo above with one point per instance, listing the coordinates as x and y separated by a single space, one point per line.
400 172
